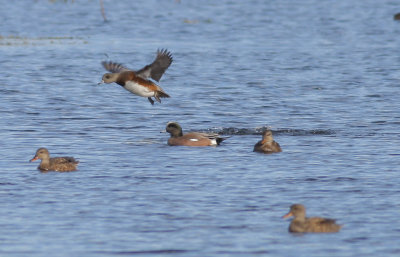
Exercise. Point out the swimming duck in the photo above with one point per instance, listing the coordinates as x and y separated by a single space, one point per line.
54 164
267 144
192 138
302 224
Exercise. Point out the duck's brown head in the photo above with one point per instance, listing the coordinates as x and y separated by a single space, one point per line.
267 136
109 78
296 210
41 153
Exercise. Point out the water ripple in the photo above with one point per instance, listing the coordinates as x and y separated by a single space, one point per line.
260 130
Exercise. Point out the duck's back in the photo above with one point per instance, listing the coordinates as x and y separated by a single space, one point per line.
272 147
322 225
63 164
196 139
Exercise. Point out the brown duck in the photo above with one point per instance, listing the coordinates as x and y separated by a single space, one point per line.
302 224
267 144
141 82
54 164
192 138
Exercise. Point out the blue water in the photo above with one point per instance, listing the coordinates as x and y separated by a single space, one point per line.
323 75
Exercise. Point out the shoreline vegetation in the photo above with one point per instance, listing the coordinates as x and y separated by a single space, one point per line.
13 40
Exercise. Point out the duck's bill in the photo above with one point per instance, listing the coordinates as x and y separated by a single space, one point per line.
34 159
101 82
287 215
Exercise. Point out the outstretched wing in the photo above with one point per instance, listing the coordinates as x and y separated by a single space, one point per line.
158 67
114 67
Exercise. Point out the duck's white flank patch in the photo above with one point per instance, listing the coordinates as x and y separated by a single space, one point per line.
213 141
138 89
194 139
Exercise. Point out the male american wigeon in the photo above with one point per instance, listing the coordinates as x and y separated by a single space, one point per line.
192 138
267 144
140 82
54 164
302 224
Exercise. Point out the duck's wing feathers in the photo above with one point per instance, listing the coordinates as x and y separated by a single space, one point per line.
63 160
208 135
275 147
213 136
156 69
324 225
258 147
271 147
114 67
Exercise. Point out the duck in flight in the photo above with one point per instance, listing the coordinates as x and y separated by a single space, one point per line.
141 82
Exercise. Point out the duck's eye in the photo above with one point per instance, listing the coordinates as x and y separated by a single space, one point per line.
107 76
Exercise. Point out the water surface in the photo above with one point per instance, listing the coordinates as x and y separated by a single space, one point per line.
324 76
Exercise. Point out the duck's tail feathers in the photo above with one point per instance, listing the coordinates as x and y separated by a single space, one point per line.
159 94
220 139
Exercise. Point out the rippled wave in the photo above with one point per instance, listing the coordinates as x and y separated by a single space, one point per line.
259 130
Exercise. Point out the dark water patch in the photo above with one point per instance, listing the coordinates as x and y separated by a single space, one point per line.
166 215
233 227
260 130
396 251
356 239
374 96
255 83
329 179
13 252
99 177
32 113
379 122
321 179
58 99
159 230
249 208
311 179
149 252
120 127
8 91
22 130
359 191
76 118
120 113
146 178
344 179
231 253
47 202
7 184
